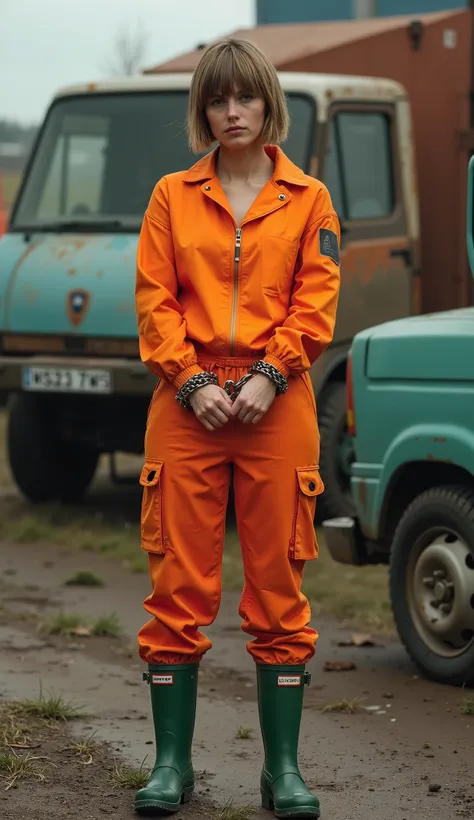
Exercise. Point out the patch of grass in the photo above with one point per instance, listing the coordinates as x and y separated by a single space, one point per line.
345 705
15 767
126 777
52 708
138 564
85 748
467 705
244 733
231 812
30 529
108 626
62 624
12 733
84 578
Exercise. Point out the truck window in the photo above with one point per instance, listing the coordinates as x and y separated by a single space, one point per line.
99 156
74 181
359 171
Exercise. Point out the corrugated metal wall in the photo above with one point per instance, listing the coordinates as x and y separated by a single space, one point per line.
300 11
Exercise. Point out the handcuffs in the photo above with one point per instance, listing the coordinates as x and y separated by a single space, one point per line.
233 388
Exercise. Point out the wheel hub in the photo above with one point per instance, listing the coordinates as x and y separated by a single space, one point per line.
441 594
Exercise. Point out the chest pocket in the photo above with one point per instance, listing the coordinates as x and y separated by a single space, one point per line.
278 260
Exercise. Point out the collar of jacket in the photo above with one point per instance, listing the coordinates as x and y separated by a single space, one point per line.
285 170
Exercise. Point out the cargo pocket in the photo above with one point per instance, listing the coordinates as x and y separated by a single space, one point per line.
152 536
303 543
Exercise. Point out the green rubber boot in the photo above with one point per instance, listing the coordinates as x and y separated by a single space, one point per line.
173 690
280 703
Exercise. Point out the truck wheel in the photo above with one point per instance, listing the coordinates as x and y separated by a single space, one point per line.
44 468
432 583
336 454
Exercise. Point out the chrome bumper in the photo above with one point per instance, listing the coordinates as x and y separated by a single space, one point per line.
344 540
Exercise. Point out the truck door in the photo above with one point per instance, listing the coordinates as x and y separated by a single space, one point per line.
363 172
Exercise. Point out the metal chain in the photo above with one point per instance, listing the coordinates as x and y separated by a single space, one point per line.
192 384
233 388
269 370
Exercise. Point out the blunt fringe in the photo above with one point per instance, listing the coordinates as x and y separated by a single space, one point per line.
223 65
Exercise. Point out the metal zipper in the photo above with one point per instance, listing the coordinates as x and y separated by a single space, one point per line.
292 545
238 240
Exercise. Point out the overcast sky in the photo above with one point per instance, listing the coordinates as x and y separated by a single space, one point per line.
45 44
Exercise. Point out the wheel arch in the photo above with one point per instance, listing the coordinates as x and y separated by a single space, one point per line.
410 480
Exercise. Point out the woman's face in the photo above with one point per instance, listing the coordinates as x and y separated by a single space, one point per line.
236 120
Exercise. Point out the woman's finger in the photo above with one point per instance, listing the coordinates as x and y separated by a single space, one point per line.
249 416
218 415
245 411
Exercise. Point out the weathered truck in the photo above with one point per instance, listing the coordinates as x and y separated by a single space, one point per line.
410 408
68 337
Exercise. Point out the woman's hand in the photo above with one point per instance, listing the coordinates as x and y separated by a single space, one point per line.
254 399
211 405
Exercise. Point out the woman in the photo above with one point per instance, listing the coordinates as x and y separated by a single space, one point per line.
236 294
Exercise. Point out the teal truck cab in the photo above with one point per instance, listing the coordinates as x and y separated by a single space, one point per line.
410 403
69 357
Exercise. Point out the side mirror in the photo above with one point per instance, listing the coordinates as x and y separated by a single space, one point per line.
470 215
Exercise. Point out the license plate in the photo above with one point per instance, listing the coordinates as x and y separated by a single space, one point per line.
67 379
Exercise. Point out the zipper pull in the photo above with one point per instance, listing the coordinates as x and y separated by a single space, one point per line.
238 236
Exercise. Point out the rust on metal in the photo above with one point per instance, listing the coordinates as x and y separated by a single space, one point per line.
25 343
363 494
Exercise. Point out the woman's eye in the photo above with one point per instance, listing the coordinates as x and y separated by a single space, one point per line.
218 101
247 97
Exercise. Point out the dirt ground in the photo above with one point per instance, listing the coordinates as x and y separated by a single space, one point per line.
407 759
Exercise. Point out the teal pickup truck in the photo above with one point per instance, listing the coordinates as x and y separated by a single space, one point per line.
410 403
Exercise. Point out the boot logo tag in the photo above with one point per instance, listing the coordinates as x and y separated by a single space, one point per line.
163 680
285 680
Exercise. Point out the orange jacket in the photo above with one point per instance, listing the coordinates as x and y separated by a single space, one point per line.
268 289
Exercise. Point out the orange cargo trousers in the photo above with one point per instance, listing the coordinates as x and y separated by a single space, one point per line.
186 478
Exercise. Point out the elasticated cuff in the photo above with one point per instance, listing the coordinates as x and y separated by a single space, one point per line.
280 366
186 374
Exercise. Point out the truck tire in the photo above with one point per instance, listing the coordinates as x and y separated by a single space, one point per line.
336 454
432 583
44 468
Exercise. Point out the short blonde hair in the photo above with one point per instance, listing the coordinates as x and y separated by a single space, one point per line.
223 65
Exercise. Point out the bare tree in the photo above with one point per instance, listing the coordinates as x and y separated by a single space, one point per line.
129 51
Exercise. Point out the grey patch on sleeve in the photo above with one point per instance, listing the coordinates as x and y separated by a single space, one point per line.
328 245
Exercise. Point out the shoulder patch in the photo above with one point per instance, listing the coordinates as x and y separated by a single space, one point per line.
328 245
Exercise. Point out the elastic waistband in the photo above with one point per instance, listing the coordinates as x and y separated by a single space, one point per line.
230 361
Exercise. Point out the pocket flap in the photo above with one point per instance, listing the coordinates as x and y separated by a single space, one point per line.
150 474
310 481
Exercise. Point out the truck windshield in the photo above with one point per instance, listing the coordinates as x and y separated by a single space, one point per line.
99 157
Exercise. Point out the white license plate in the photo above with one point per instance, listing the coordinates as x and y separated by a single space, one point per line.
67 379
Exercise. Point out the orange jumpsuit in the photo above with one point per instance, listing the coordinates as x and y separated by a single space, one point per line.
212 296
